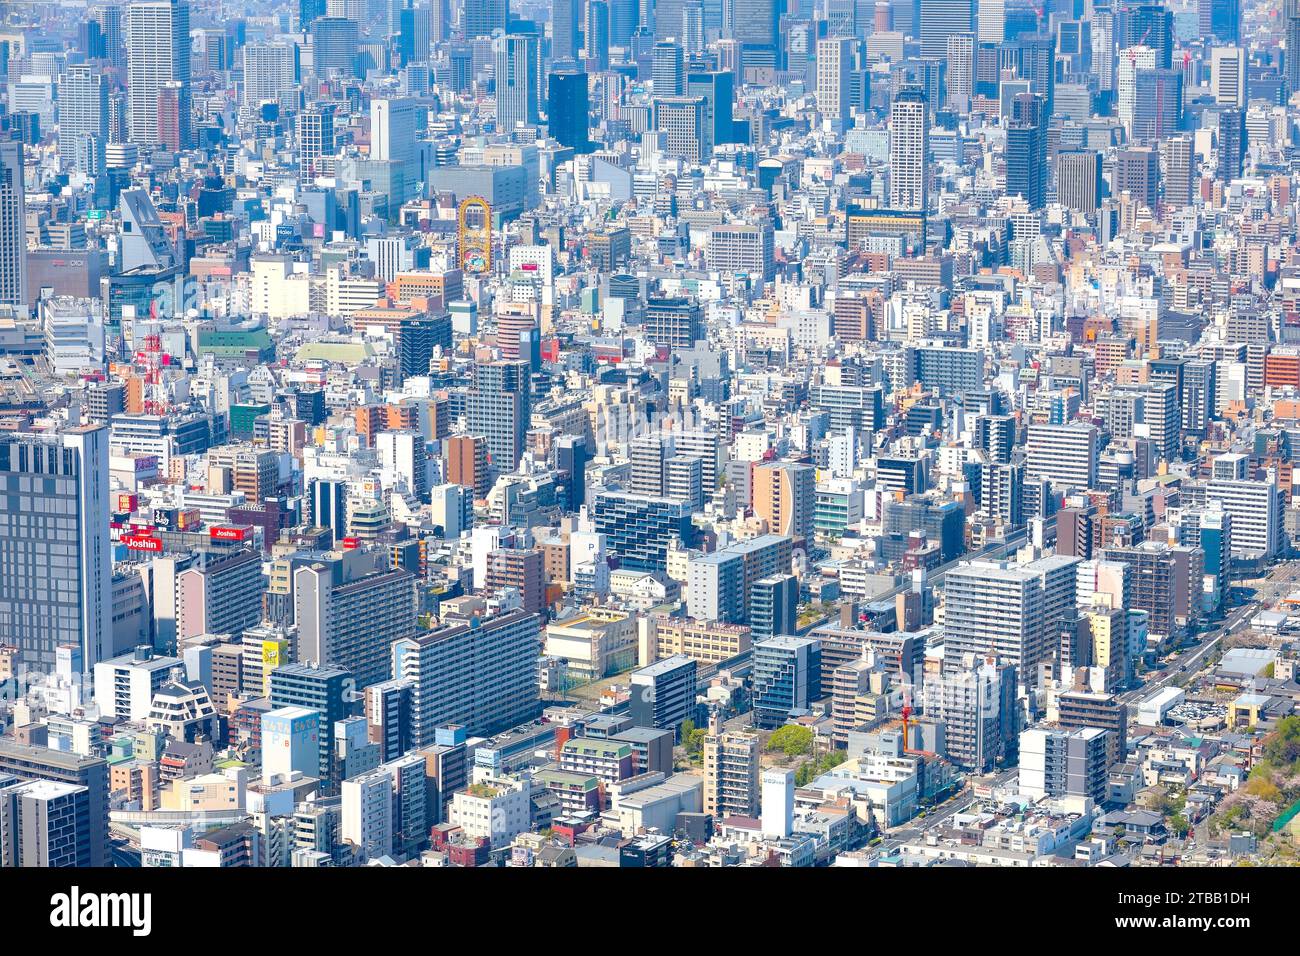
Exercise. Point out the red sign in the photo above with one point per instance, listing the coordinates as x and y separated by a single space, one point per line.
350 543
141 542
223 533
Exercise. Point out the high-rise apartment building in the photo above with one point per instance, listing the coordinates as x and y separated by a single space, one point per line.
157 53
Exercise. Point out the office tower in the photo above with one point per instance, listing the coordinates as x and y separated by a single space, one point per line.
717 88
349 610
1231 144
940 19
1131 62
498 407
13 226
109 19
467 463
516 76
786 678
909 132
991 19
1137 172
1256 509
1179 171
662 694
326 691
976 700
158 53
624 17
1150 25
568 110
754 25
44 823
482 19
315 127
731 767
56 586
83 111
1078 181
394 125
1065 454
480 675
674 322
334 43
783 496
995 610
1292 32
961 69
1026 152
571 457
43 765
668 72
414 35
596 35
772 604
639 528
327 506
1157 105
564 29
834 67
270 70
1061 763
1220 19
1228 76
686 125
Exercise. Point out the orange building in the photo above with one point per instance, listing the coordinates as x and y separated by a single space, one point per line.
1282 368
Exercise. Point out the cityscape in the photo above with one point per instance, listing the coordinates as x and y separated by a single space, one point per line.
649 434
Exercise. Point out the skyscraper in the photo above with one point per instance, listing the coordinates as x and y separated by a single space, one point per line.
482 17
516 75
669 71
56 586
567 109
941 19
315 139
1292 59
754 25
595 35
13 226
1232 144
909 135
83 110
564 29
834 67
158 53
498 406
270 69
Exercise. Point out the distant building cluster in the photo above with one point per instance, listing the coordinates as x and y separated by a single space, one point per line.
678 434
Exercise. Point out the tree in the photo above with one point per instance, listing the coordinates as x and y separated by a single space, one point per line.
791 740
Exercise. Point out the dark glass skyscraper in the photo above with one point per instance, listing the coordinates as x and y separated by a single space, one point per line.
567 109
